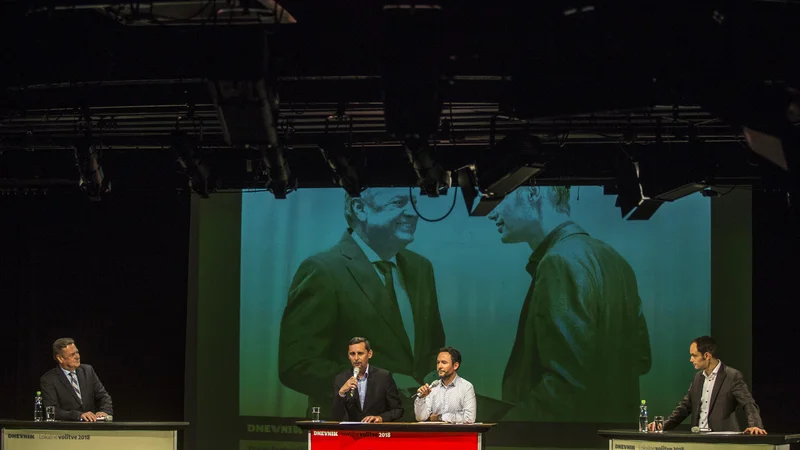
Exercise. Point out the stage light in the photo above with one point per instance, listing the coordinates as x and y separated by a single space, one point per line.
280 180
504 167
631 199
433 179
248 111
346 164
91 179
771 147
185 152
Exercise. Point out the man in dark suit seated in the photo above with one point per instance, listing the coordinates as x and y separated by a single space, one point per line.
371 396
714 395
74 388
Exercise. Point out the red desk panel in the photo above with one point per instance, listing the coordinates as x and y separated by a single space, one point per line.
392 440
393 436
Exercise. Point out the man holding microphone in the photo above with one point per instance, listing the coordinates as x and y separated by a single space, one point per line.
368 393
450 398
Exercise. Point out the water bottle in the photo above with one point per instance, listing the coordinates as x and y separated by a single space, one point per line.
643 417
38 409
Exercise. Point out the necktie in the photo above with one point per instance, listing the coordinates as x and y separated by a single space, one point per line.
74 381
404 323
386 269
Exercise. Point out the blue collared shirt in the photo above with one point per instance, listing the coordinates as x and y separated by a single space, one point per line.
403 302
362 387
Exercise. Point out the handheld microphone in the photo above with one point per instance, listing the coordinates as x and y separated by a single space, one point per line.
432 385
355 375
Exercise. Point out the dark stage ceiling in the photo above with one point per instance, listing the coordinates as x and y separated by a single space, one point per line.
667 84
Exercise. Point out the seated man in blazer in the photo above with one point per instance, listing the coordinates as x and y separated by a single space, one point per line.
716 391
74 389
371 396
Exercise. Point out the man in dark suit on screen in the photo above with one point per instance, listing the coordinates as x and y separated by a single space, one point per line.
74 388
370 396
366 285
715 394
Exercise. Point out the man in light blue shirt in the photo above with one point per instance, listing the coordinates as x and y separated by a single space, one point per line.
450 399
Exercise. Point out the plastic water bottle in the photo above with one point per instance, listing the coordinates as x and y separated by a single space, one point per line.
38 409
643 417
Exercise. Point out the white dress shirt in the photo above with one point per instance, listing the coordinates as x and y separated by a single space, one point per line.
705 397
454 403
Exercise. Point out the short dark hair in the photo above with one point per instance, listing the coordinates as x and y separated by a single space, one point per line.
358 340
455 355
61 344
706 344
558 197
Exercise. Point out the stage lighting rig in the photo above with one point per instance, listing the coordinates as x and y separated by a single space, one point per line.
631 200
190 163
91 179
280 180
517 158
248 112
346 163
433 179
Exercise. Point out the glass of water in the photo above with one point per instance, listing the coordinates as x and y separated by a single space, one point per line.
658 421
315 414
50 413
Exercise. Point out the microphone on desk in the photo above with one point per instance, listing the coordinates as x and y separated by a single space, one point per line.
698 429
432 385
355 375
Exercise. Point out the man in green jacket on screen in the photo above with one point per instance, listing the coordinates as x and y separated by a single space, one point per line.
582 341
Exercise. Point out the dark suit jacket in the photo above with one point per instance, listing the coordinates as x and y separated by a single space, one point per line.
729 392
582 340
57 391
382 398
336 295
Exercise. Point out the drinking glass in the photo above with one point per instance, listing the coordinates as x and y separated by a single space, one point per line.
658 421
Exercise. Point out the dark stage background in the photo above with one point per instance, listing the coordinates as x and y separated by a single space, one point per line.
114 276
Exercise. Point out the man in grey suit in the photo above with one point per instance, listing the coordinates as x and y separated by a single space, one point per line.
366 285
714 395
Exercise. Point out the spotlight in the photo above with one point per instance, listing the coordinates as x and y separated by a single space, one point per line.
280 180
506 166
345 164
90 171
631 199
777 150
433 179
186 156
